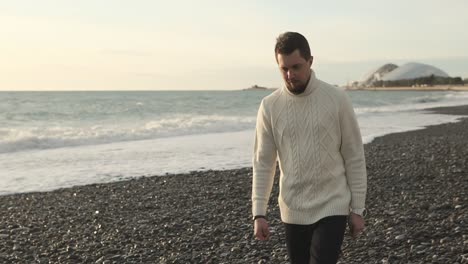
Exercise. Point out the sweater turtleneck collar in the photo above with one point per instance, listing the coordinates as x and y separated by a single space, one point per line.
311 86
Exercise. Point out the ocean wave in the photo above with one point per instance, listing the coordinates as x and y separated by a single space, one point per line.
417 103
28 138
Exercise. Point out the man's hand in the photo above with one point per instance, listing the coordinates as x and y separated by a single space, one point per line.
261 229
356 224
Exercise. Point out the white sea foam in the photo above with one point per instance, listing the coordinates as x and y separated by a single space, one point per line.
373 126
27 138
417 103
43 170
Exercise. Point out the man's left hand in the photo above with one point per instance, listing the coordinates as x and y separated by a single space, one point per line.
356 224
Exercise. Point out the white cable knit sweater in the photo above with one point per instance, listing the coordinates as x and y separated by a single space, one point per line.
317 140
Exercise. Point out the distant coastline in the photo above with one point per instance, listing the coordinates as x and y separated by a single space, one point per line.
412 88
460 88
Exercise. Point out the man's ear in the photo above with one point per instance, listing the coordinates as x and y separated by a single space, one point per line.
311 60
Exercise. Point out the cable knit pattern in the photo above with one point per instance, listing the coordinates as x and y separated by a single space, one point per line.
316 138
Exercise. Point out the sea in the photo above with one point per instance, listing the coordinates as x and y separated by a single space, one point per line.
52 140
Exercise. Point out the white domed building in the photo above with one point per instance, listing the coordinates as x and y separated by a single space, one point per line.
377 75
413 70
406 75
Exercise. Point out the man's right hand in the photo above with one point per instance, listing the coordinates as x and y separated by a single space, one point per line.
261 229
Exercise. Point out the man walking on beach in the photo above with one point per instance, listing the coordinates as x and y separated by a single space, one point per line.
310 126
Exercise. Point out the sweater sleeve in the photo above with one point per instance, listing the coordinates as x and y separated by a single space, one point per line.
264 162
352 151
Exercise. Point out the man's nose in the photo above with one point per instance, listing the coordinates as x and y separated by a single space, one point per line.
290 75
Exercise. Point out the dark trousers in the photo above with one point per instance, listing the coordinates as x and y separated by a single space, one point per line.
318 243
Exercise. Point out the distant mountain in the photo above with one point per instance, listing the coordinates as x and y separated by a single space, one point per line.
413 70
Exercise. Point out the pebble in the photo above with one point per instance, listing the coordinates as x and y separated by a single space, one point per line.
400 237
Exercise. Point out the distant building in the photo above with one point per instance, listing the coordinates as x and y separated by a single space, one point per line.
409 74
376 75
413 70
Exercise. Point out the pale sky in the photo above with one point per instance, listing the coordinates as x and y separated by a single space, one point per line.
223 45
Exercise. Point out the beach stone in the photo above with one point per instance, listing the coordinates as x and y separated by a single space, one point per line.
400 237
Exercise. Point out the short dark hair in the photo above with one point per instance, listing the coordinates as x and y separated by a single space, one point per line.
288 42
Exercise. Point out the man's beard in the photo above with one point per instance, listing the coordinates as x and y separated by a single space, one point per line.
299 88
296 89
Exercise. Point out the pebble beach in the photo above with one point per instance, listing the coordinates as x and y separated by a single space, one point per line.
417 202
